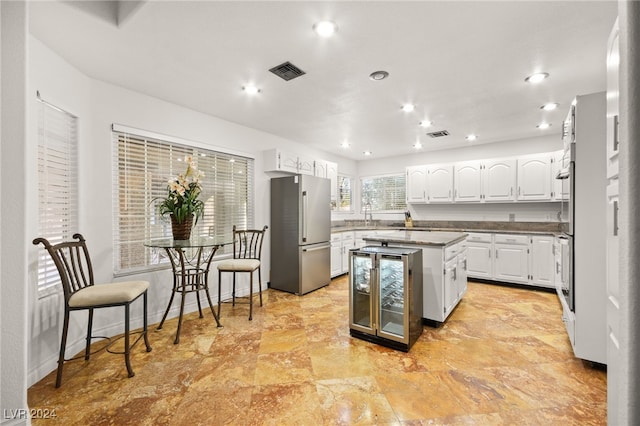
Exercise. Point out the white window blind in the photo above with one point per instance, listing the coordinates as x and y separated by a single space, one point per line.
344 194
384 193
142 167
57 187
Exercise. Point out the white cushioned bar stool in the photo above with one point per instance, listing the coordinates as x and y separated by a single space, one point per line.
247 250
73 263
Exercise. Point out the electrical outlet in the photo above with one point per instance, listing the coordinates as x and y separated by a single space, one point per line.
512 217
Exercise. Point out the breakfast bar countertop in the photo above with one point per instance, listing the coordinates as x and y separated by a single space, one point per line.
425 238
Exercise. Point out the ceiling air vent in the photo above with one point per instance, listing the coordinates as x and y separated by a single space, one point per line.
438 134
287 71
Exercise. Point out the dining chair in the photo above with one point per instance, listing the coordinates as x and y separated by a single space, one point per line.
73 263
247 251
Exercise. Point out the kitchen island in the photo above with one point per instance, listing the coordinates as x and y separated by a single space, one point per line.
444 267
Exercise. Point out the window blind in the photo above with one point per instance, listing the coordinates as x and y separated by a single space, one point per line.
384 193
344 194
57 187
142 167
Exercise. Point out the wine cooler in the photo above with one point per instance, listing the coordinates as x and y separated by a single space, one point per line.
385 297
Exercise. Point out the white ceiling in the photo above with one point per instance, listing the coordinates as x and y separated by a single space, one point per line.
462 64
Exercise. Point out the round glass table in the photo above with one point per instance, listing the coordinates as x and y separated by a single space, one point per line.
190 262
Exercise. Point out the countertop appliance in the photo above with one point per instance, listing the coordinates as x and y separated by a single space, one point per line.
385 295
582 287
300 233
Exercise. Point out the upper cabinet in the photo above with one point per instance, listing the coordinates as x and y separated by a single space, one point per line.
534 177
329 170
305 166
500 180
485 181
276 160
281 161
417 184
468 182
440 183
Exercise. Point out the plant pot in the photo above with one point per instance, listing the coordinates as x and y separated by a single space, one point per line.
181 231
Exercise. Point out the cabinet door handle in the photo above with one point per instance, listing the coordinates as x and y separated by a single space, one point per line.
616 133
496 253
615 218
519 190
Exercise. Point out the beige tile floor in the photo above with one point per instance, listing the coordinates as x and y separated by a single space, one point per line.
502 358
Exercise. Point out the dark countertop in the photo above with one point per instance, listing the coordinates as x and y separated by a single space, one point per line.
455 226
419 237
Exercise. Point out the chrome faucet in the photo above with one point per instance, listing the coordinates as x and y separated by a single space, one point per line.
369 219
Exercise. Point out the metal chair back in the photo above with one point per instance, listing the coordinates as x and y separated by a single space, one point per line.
247 243
73 262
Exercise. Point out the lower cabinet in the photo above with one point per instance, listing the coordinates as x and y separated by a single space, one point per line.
341 243
512 258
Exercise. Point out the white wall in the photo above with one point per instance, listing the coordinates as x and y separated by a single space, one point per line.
98 105
13 241
524 212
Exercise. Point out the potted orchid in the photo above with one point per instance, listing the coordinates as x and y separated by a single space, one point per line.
182 203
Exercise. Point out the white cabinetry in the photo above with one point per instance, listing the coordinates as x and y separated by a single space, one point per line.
479 255
341 243
542 261
277 160
417 184
468 182
499 180
336 254
461 278
450 285
534 177
329 170
558 193
440 183
511 258
491 180
281 161
614 353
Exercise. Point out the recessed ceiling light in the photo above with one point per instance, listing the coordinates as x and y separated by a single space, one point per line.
417 145
367 153
250 89
408 107
543 125
378 75
536 78
325 28
425 123
344 145
471 137
550 106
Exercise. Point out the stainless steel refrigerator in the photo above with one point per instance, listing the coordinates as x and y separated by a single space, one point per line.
300 233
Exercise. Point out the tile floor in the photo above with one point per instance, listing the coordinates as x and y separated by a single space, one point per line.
502 358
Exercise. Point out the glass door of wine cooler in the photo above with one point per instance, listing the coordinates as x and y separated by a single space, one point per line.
392 309
362 276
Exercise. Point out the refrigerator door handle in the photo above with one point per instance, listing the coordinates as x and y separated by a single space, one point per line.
373 299
317 248
304 216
